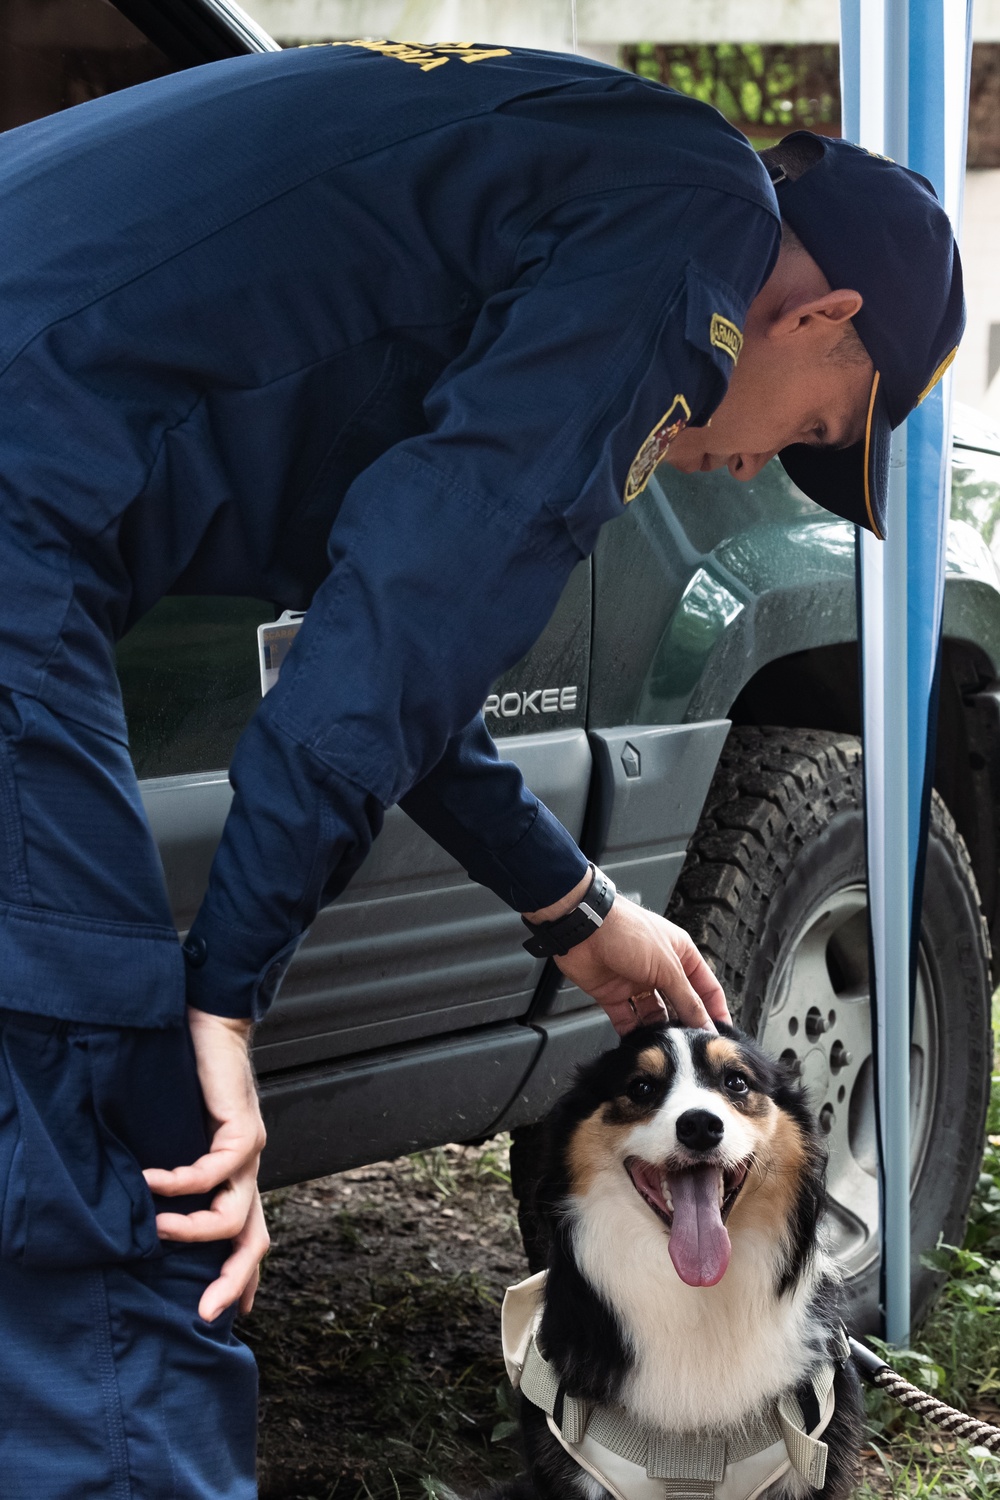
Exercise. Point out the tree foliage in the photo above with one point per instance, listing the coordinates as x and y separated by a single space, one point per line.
765 90
768 90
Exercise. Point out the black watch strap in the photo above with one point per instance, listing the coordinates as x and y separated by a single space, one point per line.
553 939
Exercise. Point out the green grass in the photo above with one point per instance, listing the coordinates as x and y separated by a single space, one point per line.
915 1471
437 1170
956 1355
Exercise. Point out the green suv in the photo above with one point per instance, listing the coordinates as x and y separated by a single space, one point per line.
691 714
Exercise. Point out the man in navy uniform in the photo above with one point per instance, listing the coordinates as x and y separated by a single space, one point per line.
387 333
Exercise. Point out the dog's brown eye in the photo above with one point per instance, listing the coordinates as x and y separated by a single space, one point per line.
735 1082
641 1090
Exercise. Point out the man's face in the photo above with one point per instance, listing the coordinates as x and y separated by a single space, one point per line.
768 407
789 386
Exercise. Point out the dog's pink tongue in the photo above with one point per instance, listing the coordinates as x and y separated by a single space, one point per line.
699 1241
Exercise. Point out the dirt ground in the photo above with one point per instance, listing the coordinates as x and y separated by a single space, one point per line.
376 1330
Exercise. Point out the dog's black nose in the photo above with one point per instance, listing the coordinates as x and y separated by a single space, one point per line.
699 1130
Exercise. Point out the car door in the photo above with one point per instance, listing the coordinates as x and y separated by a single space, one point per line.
413 948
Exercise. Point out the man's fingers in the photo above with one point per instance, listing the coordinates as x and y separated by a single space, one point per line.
228 1171
689 1010
651 1008
621 1015
203 1175
707 986
676 988
672 998
689 984
240 1273
249 1292
645 1008
626 1011
223 1221
232 1282
636 953
236 1148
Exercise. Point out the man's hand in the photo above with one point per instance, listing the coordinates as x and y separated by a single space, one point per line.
633 955
222 1054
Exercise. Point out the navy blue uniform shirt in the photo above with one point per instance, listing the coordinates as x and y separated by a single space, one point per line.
385 332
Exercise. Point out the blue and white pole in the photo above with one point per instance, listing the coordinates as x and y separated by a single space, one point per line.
905 82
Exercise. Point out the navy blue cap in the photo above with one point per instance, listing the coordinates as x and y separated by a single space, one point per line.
876 228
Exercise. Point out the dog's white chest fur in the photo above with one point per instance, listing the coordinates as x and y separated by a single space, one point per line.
703 1356
688 1306
699 1351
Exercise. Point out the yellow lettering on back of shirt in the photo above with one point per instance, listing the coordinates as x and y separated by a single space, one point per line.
426 56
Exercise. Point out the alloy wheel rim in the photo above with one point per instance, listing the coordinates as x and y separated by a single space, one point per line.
817 1017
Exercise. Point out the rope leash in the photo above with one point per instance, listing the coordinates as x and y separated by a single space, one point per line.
878 1373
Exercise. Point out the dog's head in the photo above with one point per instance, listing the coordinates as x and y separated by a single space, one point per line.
714 1139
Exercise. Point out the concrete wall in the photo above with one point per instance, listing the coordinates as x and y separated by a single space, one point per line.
546 23
977 367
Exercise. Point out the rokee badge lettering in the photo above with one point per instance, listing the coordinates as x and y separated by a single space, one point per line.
670 424
725 335
555 700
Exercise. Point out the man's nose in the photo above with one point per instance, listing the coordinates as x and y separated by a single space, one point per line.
748 465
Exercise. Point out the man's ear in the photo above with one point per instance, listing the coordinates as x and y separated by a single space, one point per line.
827 312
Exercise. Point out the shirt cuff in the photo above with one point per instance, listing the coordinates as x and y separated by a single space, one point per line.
542 867
219 978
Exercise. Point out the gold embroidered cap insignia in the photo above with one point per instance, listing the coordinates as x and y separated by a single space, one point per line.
655 446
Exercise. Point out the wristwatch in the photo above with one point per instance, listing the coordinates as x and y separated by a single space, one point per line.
553 939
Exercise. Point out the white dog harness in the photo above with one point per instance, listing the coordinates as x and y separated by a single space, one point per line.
637 1462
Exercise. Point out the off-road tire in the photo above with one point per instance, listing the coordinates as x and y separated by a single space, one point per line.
781 827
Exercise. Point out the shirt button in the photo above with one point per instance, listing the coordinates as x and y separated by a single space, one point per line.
195 950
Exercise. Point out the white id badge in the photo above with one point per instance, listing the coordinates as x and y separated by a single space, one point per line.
274 641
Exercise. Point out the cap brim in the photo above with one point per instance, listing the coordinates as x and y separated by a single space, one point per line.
850 482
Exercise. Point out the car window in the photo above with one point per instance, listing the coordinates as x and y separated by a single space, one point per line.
975 493
55 53
190 679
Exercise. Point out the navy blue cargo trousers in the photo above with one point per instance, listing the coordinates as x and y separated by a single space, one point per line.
111 1385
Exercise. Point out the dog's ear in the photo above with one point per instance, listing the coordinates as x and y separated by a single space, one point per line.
787 1073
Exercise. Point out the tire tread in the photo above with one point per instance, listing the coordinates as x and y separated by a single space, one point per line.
775 790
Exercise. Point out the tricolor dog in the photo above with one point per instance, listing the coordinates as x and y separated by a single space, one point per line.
685 1342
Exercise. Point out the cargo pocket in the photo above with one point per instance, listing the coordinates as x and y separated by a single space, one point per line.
71 1194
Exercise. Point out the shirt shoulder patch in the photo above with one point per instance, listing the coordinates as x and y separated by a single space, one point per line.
673 421
713 319
725 335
